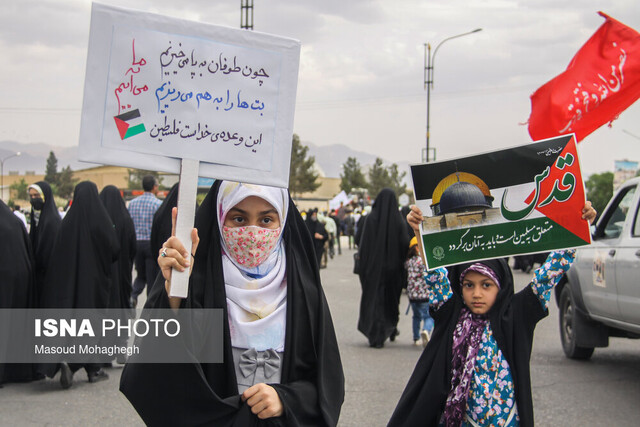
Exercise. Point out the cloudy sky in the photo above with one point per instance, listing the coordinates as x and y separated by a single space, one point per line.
361 69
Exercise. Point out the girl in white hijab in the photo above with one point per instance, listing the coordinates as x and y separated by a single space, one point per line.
281 361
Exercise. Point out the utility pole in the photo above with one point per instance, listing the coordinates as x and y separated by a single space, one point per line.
246 14
428 81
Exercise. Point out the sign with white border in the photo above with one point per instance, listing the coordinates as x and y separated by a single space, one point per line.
160 89
514 201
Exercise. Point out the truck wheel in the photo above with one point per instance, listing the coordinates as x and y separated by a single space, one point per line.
568 320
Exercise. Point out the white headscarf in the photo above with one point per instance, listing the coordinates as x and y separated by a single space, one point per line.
256 297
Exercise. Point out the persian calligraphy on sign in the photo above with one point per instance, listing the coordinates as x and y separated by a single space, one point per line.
162 89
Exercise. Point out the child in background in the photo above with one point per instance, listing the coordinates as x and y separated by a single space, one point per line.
475 370
417 293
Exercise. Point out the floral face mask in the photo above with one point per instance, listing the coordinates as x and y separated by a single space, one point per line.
250 245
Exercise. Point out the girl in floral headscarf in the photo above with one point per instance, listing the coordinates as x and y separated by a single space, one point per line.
475 369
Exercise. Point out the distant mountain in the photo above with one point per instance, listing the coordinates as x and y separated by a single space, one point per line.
33 157
329 158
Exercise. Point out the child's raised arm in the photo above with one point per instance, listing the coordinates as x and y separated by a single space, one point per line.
557 264
414 218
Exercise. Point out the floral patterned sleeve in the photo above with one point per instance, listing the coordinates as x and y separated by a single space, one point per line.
550 272
438 287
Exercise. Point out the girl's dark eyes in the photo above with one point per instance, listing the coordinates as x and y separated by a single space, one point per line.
485 285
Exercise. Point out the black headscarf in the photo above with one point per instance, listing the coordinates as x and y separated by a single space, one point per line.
312 383
126 233
161 227
16 283
513 319
43 235
383 249
79 273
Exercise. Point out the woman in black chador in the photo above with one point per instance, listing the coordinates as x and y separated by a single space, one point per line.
383 244
45 223
16 285
318 233
79 273
254 260
123 224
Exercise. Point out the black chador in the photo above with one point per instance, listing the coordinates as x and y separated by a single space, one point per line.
80 267
16 286
121 269
45 223
383 244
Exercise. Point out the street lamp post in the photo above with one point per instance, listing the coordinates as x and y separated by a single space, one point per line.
2 172
428 76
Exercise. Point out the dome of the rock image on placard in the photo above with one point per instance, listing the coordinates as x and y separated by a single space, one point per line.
462 196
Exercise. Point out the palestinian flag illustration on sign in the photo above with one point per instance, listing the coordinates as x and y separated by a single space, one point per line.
515 201
129 124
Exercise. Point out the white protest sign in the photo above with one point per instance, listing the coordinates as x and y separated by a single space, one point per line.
160 89
178 96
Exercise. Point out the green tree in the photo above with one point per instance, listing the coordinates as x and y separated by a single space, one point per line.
66 183
51 172
352 176
381 177
378 177
599 189
136 175
397 180
302 175
19 189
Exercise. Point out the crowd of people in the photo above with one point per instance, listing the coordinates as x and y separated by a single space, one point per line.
255 256
82 259
328 228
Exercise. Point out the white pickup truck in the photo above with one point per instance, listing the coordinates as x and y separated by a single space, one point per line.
599 297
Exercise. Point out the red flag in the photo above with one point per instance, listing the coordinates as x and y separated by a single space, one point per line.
601 81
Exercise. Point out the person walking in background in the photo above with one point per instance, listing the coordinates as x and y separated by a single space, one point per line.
16 292
121 270
341 214
318 233
350 225
331 228
17 212
418 296
359 218
44 226
383 243
80 271
142 209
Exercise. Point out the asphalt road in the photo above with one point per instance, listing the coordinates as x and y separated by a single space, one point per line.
604 391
